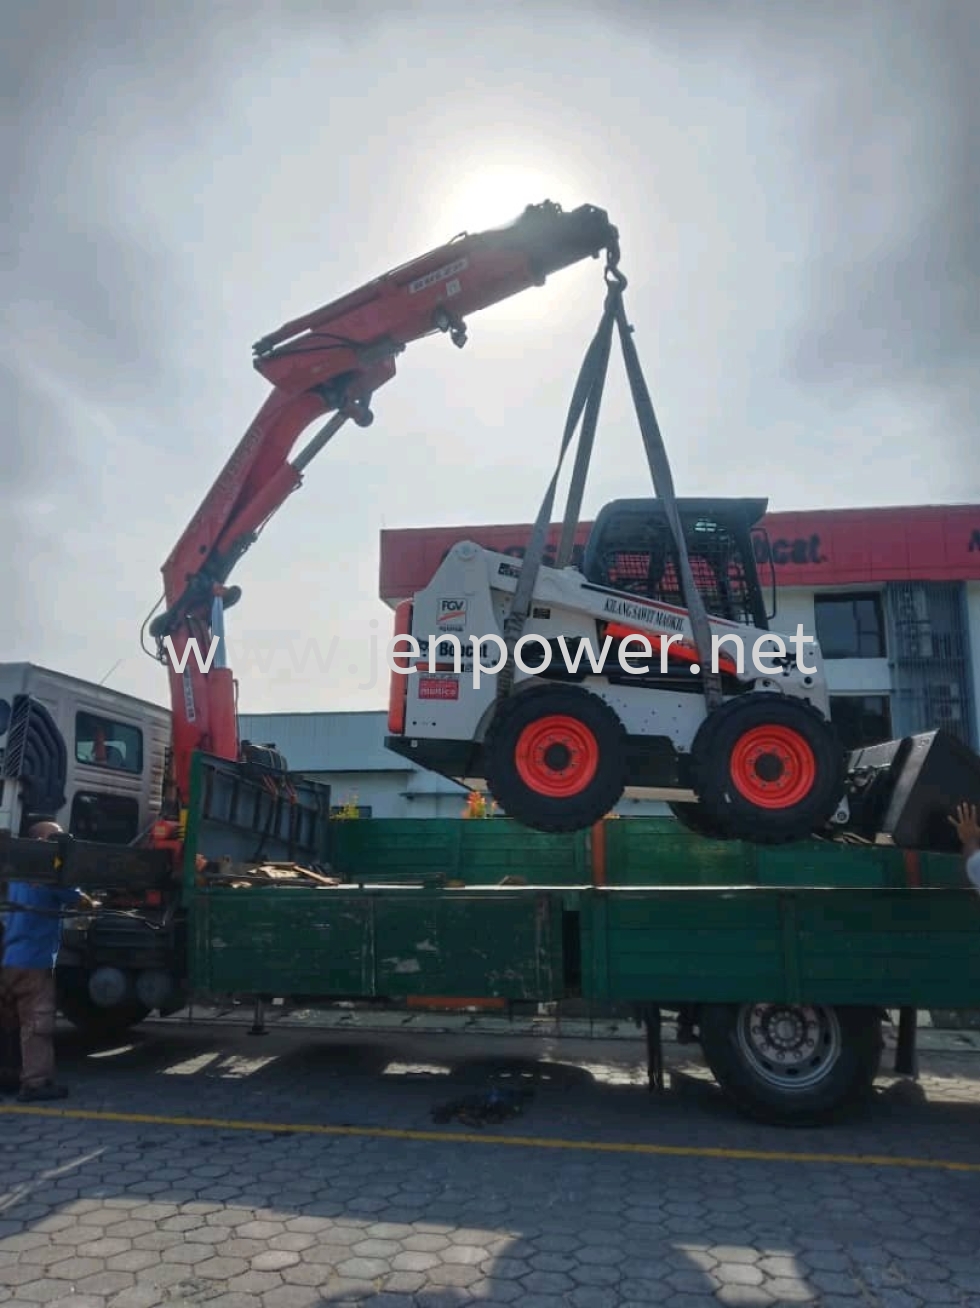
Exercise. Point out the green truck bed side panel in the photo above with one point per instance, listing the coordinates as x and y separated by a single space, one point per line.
918 947
658 851
478 852
836 946
639 852
685 944
385 942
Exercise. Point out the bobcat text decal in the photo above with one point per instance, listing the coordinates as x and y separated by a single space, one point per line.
798 552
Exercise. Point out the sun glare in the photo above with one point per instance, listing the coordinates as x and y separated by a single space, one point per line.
490 195
493 193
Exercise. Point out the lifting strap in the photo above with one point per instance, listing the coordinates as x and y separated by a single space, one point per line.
584 406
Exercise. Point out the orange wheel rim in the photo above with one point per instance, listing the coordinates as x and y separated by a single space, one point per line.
773 767
557 756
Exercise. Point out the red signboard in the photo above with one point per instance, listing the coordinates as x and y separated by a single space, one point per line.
825 547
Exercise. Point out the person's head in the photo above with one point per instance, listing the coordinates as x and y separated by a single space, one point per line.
44 831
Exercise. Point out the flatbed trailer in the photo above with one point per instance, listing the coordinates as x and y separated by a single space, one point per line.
782 962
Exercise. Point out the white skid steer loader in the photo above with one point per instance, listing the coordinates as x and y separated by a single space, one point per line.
604 694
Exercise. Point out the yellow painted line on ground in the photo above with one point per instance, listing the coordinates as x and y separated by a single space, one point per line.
514 1141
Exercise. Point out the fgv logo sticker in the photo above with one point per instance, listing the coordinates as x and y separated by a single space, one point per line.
451 615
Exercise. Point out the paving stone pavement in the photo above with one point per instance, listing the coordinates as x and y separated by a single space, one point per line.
98 1213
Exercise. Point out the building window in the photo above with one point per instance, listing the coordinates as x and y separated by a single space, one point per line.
850 626
861 720
106 744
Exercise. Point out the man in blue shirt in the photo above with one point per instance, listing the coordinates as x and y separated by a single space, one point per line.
31 940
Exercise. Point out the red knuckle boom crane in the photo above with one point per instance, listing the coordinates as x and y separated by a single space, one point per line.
332 360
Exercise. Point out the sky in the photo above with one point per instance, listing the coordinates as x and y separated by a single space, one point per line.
795 190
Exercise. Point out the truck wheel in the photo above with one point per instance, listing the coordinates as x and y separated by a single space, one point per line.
790 1064
98 1023
554 758
768 769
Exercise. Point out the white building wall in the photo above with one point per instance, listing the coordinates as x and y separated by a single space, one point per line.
794 607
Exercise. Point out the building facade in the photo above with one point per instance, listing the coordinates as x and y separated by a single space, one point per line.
892 595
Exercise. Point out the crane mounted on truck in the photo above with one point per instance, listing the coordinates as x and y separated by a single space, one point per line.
330 361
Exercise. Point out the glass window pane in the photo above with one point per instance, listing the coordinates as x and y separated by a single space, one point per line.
850 626
103 743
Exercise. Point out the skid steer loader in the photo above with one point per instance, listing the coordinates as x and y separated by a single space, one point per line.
610 698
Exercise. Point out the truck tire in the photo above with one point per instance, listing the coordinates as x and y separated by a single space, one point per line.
95 1022
555 759
768 769
792 1064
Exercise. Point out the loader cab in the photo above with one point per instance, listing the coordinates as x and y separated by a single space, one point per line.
630 550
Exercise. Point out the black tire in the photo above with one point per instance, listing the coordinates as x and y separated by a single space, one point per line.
77 1007
809 1085
567 782
692 816
733 785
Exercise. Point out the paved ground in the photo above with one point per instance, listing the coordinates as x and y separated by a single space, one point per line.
172 1177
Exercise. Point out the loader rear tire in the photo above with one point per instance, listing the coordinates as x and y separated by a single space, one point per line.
768 769
555 759
693 818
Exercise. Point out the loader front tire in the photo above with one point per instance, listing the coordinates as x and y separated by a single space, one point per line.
554 758
768 769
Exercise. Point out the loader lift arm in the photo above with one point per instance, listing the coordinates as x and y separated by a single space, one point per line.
330 361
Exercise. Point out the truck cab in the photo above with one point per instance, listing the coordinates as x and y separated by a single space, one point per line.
93 760
86 757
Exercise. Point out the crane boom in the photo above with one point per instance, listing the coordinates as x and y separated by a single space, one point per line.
331 361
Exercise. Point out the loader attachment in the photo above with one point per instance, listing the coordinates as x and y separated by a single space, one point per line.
902 792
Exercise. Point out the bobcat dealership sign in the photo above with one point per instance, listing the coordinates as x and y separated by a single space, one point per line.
825 547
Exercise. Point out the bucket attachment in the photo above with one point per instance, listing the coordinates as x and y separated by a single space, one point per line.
904 791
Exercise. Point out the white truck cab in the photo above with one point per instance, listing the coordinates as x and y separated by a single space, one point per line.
87 757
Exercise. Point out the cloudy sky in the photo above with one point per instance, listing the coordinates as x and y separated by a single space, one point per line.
797 198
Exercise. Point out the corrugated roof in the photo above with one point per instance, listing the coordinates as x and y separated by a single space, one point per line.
325 742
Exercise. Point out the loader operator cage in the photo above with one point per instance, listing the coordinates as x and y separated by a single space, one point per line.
630 550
